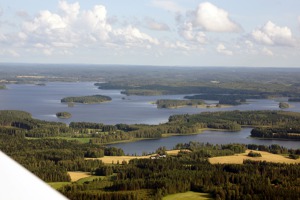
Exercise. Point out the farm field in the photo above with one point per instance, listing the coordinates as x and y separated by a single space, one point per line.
75 176
188 196
120 159
238 158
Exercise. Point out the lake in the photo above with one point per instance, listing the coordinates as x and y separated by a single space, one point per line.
208 136
44 101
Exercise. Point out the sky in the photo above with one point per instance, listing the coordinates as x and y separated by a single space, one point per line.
256 33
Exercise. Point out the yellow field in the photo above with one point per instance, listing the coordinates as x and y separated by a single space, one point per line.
188 196
238 158
75 176
115 159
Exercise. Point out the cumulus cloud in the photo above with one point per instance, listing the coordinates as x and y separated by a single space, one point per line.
73 27
133 36
271 34
188 33
214 19
223 50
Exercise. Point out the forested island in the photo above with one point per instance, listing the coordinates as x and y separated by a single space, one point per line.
174 103
64 115
283 105
2 87
87 99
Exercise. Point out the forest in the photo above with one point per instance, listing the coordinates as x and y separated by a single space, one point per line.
63 115
286 123
86 99
174 103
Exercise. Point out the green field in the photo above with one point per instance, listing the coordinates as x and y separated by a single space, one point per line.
57 185
91 178
188 196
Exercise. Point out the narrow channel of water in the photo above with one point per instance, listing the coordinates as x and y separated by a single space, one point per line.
208 136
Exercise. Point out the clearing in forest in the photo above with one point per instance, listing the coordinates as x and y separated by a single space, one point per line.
188 196
266 156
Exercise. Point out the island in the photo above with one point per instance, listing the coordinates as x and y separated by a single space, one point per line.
175 103
283 105
63 115
2 87
87 99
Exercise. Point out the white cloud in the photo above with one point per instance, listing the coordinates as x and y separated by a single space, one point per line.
132 36
45 22
271 34
167 5
9 52
71 27
70 11
188 33
154 25
214 19
223 50
3 38
267 51
182 45
249 44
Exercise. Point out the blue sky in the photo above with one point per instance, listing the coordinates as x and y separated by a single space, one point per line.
154 32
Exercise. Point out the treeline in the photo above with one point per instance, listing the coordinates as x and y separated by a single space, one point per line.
144 88
51 158
86 99
284 124
154 179
291 133
21 122
244 118
229 99
174 103
295 99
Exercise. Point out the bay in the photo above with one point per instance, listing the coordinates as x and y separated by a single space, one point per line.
207 136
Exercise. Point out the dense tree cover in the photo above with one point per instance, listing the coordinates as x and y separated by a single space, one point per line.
249 118
287 132
2 87
254 154
173 103
51 158
296 99
229 99
87 99
21 122
63 115
192 172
